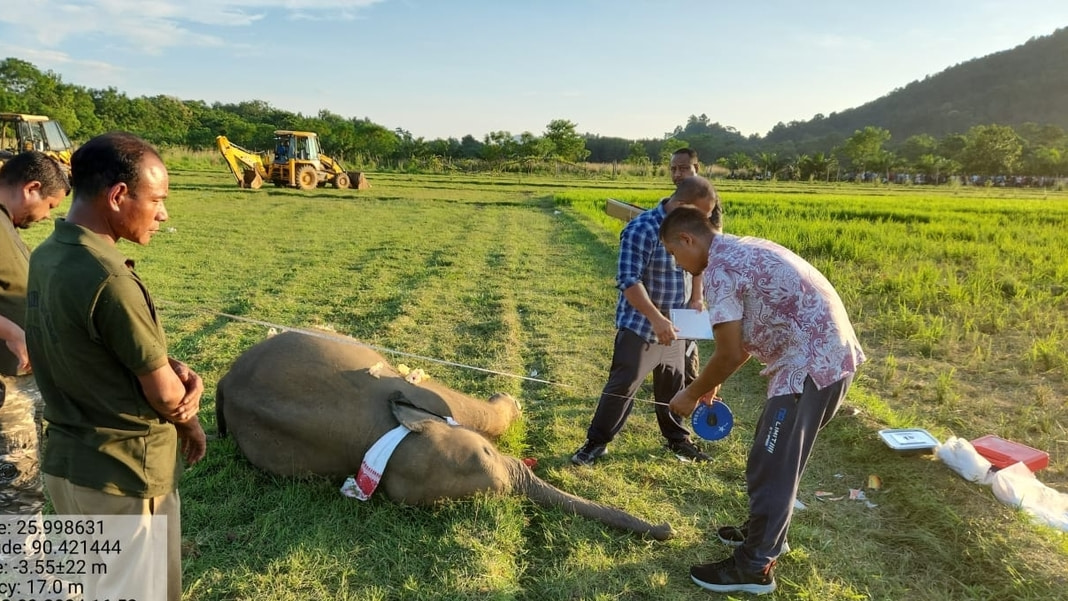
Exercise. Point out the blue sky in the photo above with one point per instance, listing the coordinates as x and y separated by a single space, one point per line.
628 68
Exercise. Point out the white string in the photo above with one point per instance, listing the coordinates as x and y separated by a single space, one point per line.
347 340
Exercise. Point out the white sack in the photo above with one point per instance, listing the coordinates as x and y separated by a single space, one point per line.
961 457
1018 487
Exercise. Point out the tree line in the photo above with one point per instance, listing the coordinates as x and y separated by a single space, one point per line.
984 150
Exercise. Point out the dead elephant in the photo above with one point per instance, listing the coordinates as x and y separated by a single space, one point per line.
299 404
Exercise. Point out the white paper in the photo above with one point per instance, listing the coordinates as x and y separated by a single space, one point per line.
692 324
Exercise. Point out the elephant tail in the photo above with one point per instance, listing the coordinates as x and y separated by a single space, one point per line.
547 495
220 415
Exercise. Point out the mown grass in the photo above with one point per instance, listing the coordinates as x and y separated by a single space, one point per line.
955 297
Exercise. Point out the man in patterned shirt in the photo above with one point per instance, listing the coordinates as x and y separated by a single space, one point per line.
766 302
650 285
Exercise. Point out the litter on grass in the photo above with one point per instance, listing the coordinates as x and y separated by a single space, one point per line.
1015 485
855 494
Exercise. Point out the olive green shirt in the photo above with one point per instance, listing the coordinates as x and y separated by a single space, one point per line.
91 329
14 267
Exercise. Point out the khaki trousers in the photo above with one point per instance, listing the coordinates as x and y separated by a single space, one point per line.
71 499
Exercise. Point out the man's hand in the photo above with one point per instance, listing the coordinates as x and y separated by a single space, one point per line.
683 403
665 331
17 346
14 338
189 406
194 441
708 397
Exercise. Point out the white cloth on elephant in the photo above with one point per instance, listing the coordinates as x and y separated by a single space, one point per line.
374 463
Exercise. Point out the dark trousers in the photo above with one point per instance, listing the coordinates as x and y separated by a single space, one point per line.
777 459
632 360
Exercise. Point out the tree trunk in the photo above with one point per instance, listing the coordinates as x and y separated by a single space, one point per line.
547 495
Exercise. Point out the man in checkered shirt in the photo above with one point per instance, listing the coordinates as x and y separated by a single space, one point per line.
650 285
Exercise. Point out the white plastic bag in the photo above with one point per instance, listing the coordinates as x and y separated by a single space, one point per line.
1017 486
961 457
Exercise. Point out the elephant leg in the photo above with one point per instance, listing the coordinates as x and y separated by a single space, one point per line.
490 418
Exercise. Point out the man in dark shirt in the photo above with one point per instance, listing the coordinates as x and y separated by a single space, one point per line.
31 185
116 404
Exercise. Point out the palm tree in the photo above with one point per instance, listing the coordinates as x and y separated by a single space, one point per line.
770 162
821 164
738 161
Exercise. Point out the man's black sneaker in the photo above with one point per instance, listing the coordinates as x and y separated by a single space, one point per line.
734 536
587 455
726 577
687 451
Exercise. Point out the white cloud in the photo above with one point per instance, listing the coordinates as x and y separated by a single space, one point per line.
91 72
54 58
151 25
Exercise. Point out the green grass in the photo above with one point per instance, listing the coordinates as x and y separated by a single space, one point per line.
957 295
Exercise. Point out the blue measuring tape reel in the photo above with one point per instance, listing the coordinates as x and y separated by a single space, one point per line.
712 422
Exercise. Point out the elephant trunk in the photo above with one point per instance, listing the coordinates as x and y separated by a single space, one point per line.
547 495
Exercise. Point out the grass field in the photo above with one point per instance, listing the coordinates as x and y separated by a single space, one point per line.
958 296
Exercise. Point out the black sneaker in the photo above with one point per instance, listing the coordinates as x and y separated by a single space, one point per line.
734 536
587 455
726 577
685 450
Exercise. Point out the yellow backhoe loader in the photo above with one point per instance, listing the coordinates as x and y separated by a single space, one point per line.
19 133
296 163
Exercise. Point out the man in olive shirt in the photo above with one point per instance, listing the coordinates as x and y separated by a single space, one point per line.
31 185
116 404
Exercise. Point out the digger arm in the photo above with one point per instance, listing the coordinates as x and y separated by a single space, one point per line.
331 164
240 159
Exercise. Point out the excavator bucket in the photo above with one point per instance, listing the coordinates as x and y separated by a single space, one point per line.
357 181
252 180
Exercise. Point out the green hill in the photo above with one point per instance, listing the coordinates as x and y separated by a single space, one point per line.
1027 84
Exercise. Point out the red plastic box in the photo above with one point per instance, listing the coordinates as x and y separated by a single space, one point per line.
1002 453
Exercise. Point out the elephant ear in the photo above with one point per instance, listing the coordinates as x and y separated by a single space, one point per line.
410 416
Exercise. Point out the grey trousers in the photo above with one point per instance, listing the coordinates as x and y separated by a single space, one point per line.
777 459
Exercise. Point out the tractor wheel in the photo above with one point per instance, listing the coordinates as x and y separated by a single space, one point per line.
307 178
341 181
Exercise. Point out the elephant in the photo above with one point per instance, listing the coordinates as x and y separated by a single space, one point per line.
300 403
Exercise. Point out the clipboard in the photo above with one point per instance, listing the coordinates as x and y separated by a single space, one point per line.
692 324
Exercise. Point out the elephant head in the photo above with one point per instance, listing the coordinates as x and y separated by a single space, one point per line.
474 465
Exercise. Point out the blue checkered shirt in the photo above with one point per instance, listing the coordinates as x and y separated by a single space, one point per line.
642 258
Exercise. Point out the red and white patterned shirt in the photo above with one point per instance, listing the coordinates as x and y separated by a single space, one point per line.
793 320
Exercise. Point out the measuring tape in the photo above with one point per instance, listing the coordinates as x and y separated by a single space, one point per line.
712 422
